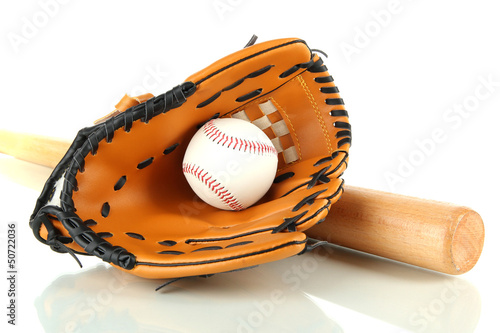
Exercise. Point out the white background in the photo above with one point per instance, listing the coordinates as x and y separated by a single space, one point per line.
404 69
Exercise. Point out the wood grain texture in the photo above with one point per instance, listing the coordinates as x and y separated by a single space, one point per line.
430 234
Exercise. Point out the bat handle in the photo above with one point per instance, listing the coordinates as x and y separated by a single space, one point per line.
430 234
33 148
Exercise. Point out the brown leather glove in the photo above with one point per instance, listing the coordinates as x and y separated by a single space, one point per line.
119 192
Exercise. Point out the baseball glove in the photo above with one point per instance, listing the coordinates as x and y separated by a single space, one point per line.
119 192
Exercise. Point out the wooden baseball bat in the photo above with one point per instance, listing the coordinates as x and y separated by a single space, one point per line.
32 148
438 236
435 235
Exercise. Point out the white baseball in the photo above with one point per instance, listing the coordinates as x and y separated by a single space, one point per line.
230 163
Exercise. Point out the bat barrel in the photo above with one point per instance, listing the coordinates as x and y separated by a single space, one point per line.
430 234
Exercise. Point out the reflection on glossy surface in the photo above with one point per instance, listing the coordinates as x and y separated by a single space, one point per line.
104 299
410 298
299 294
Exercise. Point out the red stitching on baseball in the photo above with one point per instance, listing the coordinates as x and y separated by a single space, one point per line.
221 192
256 147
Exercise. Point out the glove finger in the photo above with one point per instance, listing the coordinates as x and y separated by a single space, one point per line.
215 256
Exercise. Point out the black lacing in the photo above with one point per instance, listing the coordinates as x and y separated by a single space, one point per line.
321 176
236 83
169 282
163 285
289 223
305 65
320 51
55 239
81 234
147 110
311 245
252 41
345 135
87 141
